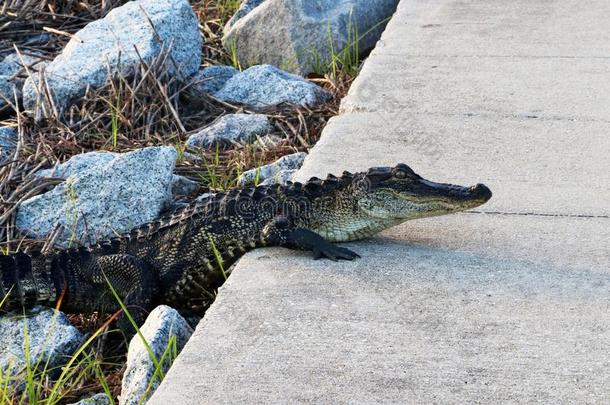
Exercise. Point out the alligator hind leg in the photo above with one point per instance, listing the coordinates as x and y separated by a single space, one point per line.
281 232
134 281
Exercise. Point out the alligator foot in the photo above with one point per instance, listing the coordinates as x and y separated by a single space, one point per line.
335 253
280 233
308 240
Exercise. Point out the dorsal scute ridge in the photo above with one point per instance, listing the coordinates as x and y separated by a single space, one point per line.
169 220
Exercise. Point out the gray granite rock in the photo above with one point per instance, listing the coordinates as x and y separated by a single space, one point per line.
113 196
278 172
302 35
8 142
12 76
162 323
212 78
282 177
231 128
97 399
50 336
113 40
266 85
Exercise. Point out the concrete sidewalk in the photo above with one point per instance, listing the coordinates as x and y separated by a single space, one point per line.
507 304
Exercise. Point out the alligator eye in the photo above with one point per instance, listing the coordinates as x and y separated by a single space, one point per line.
400 174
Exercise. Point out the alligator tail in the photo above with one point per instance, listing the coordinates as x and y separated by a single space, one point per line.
26 281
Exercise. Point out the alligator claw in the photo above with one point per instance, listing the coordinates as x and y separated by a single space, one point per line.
334 253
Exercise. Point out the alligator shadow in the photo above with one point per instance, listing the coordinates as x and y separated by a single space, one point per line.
401 262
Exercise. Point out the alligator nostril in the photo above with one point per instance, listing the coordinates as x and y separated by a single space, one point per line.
481 191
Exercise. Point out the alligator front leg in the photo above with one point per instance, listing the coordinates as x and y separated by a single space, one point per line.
281 232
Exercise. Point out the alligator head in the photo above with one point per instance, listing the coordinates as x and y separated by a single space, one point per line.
398 194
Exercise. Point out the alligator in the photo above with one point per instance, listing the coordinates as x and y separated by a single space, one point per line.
181 259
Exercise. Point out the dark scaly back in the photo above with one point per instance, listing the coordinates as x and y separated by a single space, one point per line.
35 278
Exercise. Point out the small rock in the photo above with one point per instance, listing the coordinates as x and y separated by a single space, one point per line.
273 172
244 9
8 142
183 186
50 336
97 399
282 177
113 197
266 85
304 31
162 323
13 63
231 128
113 41
11 77
213 78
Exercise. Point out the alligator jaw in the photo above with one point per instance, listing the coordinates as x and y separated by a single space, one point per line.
428 199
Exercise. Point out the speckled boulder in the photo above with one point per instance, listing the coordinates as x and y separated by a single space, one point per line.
84 61
229 129
266 85
162 323
114 196
50 336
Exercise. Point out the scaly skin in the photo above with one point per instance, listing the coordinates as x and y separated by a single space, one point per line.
173 261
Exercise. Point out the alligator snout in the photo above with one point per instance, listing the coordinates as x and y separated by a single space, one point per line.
480 191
